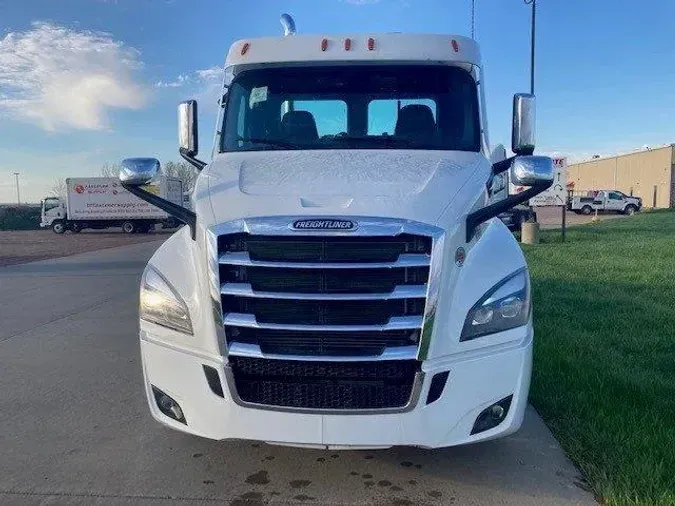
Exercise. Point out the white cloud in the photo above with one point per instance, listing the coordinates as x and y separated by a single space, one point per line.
205 83
176 83
207 77
210 75
59 78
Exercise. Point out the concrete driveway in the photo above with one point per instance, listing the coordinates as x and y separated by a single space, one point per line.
75 429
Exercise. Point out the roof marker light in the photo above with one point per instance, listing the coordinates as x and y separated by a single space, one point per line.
324 44
371 44
348 44
244 48
455 46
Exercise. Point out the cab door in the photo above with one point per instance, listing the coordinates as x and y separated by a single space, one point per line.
615 202
599 201
52 209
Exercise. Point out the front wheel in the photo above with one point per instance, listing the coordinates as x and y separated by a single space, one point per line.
129 227
630 210
586 210
58 227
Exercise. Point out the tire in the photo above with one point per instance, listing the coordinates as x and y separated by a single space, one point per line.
630 210
586 210
129 227
58 227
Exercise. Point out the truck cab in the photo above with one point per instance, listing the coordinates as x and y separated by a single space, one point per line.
343 281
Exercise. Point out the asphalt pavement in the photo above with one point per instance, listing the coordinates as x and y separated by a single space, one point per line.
75 428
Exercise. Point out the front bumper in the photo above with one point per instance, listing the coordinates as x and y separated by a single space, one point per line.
475 382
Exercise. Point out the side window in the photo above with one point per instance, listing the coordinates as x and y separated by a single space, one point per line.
383 114
615 196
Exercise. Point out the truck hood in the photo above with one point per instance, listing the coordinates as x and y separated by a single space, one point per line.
416 185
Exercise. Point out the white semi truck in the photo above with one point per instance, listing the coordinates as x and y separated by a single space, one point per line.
341 282
101 202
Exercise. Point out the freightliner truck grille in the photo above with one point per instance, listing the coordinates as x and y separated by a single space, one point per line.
324 322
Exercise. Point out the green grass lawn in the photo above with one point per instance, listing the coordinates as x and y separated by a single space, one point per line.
604 366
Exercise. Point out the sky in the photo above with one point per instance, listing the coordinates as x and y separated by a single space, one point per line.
89 82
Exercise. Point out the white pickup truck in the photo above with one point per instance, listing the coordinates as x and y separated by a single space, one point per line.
605 201
343 281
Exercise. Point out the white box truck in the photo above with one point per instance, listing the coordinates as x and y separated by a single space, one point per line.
100 203
343 281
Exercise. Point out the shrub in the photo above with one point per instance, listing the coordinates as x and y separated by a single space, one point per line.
19 218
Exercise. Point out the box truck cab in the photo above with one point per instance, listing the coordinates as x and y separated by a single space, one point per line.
341 282
53 210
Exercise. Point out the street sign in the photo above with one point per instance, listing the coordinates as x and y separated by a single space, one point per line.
556 195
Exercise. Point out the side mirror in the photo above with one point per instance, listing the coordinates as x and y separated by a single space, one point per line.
138 171
522 137
532 171
188 140
536 172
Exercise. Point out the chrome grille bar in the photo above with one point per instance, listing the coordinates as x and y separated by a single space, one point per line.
400 292
243 259
395 323
253 350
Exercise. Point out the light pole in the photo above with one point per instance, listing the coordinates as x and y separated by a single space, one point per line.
534 19
473 18
18 195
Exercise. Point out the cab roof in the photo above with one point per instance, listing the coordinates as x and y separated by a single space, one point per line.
376 48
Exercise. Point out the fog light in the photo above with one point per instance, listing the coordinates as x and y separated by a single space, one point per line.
168 406
492 415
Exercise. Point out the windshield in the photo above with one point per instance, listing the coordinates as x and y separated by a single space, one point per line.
355 107
51 204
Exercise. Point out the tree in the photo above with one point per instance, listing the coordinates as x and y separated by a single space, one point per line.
183 171
59 189
111 169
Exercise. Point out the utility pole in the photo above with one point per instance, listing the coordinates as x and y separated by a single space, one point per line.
533 25
18 195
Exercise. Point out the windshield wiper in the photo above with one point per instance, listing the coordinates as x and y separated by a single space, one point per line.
269 142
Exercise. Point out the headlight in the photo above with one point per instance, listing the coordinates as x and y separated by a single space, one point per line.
503 307
161 304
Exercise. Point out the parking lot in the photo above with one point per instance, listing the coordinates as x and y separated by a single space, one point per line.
551 217
17 247
76 428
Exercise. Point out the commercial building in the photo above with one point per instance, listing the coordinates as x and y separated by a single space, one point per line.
649 174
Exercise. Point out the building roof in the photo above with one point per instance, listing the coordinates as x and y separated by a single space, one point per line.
621 155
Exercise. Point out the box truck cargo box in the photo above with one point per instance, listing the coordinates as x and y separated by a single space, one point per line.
100 202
